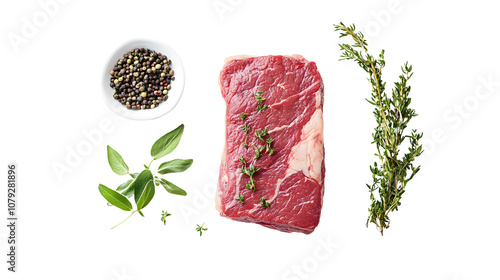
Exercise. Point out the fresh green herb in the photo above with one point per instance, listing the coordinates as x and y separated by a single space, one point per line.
251 184
142 186
258 97
245 144
167 143
201 229
240 198
264 203
243 115
250 171
270 150
242 160
246 128
115 198
164 215
175 166
392 115
260 108
260 134
171 188
116 162
258 151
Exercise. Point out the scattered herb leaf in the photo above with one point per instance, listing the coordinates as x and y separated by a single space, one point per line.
258 151
201 229
243 115
143 197
240 198
172 188
258 97
116 162
167 143
175 166
260 134
260 108
264 203
115 198
246 128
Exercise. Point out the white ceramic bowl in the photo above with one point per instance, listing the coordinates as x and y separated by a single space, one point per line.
174 95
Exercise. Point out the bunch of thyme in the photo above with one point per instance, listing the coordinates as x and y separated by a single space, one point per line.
392 114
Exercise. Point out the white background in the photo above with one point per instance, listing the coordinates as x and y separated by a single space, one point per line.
446 229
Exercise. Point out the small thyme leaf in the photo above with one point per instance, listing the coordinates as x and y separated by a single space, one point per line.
246 128
242 160
270 150
260 108
258 96
243 115
264 203
260 134
250 186
258 151
201 229
240 198
164 215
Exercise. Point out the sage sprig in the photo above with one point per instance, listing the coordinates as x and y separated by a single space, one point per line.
392 114
143 185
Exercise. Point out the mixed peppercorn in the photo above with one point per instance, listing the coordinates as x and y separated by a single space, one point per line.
141 79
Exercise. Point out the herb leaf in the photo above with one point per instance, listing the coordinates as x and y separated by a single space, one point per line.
263 202
164 215
243 115
140 183
176 165
116 162
115 198
167 143
201 229
171 188
260 108
260 134
258 97
240 198
258 151
126 189
246 128
146 195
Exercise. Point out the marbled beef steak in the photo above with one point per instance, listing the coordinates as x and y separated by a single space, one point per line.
292 178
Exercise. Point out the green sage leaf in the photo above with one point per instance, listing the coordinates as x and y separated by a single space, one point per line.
126 188
116 162
176 165
146 195
115 198
137 188
124 185
171 188
167 143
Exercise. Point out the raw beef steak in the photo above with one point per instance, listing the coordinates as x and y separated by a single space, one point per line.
290 179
